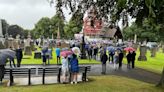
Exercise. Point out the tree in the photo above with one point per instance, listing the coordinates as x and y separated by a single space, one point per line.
42 28
5 26
15 30
75 24
57 23
147 31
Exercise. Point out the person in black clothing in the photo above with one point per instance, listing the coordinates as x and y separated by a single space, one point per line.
19 56
95 51
2 71
121 55
133 59
129 55
104 59
111 54
90 53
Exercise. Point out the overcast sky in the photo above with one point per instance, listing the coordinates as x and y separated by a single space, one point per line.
25 13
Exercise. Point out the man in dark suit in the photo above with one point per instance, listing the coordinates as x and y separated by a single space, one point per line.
133 59
104 59
121 55
19 56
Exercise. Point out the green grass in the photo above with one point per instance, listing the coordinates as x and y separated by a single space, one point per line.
154 64
31 60
95 84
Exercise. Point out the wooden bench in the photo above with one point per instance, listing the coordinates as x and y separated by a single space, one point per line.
28 72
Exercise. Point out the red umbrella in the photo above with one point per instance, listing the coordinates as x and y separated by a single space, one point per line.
66 53
129 49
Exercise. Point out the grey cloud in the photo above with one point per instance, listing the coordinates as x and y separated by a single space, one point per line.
26 12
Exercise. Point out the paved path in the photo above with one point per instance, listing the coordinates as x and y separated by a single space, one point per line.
137 73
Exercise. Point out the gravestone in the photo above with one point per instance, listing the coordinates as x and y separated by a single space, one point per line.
153 51
22 44
28 50
1 36
37 55
6 43
50 53
135 46
32 45
10 42
163 48
143 51
16 42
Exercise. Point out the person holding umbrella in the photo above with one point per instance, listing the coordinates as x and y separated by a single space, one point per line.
74 65
130 56
111 51
44 57
5 55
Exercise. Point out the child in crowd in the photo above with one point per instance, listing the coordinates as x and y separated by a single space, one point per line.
65 69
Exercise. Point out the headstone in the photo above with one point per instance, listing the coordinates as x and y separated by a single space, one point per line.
32 45
22 44
50 53
28 50
143 51
135 46
6 43
10 42
153 51
162 48
37 55
1 36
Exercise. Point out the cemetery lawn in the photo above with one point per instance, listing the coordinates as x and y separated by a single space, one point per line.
31 60
95 84
153 64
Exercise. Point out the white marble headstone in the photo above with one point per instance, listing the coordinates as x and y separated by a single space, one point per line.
1 34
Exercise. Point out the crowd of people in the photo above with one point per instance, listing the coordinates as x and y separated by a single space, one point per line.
115 56
69 63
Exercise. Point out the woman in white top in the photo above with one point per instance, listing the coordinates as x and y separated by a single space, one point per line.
65 69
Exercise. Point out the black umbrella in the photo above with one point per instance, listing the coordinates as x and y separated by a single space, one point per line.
6 54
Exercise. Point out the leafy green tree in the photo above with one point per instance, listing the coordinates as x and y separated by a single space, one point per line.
147 31
74 25
14 30
42 28
57 23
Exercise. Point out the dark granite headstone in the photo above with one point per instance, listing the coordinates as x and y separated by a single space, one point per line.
143 51
153 51
37 55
